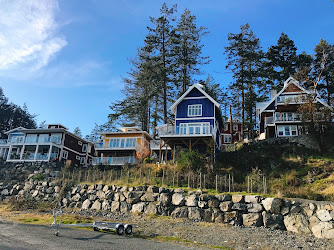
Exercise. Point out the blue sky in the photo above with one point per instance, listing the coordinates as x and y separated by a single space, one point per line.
66 59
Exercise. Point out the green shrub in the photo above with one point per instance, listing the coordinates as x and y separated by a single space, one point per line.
38 177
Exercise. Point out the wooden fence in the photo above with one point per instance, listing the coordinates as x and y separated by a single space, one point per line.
167 178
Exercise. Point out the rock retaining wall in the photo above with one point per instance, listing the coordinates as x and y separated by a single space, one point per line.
299 216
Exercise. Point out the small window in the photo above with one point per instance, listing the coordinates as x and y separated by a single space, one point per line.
65 154
82 160
195 110
227 138
225 127
235 127
77 157
80 143
84 148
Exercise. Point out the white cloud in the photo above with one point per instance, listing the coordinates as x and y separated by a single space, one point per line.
28 34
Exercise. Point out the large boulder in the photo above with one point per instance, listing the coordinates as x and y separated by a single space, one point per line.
324 215
180 212
226 206
149 196
272 205
213 202
153 189
100 194
297 223
125 207
96 205
138 208
217 216
238 198
208 215
105 205
273 221
115 206
76 197
191 201
133 197
165 199
252 198
252 220
86 204
254 208
233 218
151 208
240 207
323 230
178 199
224 197
194 213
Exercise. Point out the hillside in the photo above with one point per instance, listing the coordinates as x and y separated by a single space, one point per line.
292 170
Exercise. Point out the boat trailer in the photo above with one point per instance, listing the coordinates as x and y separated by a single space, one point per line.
120 228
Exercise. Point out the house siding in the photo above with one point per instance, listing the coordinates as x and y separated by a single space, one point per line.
194 93
207 107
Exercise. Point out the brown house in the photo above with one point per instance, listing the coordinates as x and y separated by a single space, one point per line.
55 143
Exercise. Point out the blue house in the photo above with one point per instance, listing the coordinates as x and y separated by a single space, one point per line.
197 124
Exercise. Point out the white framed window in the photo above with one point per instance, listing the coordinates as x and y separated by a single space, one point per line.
82 160
194 128
235 127
77 157
226 127
195 110
80 143
287 130
227 138
65 154
84 148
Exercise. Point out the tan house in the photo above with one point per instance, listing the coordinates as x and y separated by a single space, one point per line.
130 145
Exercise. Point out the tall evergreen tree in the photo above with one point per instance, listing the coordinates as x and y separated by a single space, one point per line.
281 62
244 57
188 50
159 42
12 115
326 87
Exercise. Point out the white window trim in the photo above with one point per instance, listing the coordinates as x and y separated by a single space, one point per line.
77 157
80 143
193 105
84 148
65 154
229 140
282 129
82 160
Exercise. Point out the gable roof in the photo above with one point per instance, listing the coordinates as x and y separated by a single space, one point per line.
199 87
287 83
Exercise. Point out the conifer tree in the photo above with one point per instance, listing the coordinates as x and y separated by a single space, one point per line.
188 50
244 57
326 87
281 62
159 42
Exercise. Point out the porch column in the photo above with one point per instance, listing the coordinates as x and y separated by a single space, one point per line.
50 150
37 146
22 150
9 152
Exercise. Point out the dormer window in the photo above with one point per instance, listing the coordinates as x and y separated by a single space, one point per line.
195 110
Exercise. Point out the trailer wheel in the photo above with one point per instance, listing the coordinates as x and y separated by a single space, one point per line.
95 228
128 229
120 229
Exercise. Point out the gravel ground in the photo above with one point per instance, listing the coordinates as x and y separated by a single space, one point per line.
206 235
